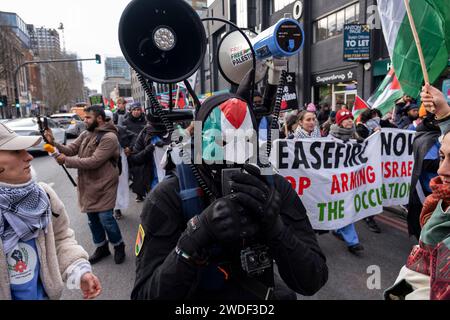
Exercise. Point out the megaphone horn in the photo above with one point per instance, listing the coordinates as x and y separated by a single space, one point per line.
164 40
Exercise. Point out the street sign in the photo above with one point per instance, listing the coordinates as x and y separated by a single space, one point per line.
356 42
289 100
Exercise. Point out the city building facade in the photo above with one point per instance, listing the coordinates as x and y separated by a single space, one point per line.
15 49
322 75
117 67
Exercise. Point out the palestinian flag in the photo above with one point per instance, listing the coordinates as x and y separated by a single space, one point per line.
359 107
223 130
386 94
111 104
432 20
139 240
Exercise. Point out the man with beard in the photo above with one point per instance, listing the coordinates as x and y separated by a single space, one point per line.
95 153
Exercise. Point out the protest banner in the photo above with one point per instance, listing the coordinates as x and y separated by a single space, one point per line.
340 183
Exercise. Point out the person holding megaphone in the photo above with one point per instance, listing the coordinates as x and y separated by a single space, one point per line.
220 235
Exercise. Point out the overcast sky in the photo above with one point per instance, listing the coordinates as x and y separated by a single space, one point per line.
90 27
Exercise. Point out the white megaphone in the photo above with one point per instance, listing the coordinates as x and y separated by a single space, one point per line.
235 59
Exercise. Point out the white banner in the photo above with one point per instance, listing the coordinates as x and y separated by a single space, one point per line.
340 183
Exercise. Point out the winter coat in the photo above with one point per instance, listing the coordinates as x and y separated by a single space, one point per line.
98 173
126 137
362 131
135 125
404 122
162 274
425 138
142 159
57 249
119 117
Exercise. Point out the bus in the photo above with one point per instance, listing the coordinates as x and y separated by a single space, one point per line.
79 109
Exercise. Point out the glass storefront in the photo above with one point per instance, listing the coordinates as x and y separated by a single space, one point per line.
336 94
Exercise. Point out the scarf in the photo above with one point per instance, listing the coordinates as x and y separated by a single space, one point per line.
302 134
440 192
24 211
342 133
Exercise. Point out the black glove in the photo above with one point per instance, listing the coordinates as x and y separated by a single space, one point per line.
261 199
149 148
222 222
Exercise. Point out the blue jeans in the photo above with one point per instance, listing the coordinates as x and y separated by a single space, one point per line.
102 223
349 234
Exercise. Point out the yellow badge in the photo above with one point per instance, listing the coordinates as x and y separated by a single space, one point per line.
139 240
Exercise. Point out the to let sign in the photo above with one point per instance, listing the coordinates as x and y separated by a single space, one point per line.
356 42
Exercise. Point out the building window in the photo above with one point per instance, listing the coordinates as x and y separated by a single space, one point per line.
323 29
277 5
333 24
340 18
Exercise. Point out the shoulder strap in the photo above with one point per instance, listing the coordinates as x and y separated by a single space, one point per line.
115 162
190 192
99 137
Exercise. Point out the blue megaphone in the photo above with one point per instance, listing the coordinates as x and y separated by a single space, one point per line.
284 39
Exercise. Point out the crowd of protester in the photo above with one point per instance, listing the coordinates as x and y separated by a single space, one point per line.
120 149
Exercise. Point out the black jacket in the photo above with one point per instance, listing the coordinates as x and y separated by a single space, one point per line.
126 137
141 160
162 274
362 131
427 134
135 125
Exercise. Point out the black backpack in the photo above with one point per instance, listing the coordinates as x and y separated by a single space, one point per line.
116 163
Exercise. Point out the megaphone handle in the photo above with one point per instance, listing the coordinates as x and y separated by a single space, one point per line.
154 102
170 96
68 175
193 95
276 111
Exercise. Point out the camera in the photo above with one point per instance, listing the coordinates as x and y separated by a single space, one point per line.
256 259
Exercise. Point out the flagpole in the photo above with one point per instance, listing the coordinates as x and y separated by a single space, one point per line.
417 40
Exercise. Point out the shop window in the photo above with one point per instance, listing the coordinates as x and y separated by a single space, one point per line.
280 4
340 19
323 31
325 95
350 14
332 25
357 12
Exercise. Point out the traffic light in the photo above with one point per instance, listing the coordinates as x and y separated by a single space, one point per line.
17 104
98 59
3 101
